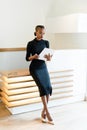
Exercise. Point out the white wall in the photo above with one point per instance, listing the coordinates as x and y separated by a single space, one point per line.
18 19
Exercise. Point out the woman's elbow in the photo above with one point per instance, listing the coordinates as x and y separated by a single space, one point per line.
27 59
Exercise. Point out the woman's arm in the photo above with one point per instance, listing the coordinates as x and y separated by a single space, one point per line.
28 51
30 57
48 57
33 57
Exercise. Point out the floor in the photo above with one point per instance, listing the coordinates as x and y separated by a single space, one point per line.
66 117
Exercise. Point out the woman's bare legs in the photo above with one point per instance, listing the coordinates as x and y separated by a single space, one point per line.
47 97
45 100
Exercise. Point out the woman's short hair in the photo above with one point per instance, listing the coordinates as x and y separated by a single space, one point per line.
37 27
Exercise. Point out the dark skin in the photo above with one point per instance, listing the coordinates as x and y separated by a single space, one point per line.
48 57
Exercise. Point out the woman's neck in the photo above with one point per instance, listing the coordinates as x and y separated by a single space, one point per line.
38 38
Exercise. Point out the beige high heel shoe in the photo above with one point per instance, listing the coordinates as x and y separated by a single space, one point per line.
50 121
43 119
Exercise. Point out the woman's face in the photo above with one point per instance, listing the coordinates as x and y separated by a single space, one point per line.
39 33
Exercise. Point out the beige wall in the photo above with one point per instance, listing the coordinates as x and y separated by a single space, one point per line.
63 7
68 40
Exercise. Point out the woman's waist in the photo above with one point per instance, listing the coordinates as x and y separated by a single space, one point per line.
38 63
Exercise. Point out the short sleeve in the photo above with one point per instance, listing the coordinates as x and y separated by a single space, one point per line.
47 44
28 51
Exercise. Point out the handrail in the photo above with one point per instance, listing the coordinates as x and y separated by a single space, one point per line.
12 49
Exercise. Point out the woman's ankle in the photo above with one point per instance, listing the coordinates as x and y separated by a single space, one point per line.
49 116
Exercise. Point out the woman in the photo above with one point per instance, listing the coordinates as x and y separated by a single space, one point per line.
38 69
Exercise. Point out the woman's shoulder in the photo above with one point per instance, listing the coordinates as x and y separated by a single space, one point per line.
47 43
30 43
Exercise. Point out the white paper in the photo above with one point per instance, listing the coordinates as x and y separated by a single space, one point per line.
44 52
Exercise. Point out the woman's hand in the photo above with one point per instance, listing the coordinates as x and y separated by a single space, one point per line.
48 57
36 56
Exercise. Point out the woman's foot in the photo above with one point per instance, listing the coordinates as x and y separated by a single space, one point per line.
50 120
43 117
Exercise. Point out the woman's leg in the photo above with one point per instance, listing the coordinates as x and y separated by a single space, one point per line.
47 97
43 114
45 100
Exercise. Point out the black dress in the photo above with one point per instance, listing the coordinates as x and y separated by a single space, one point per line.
38 68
